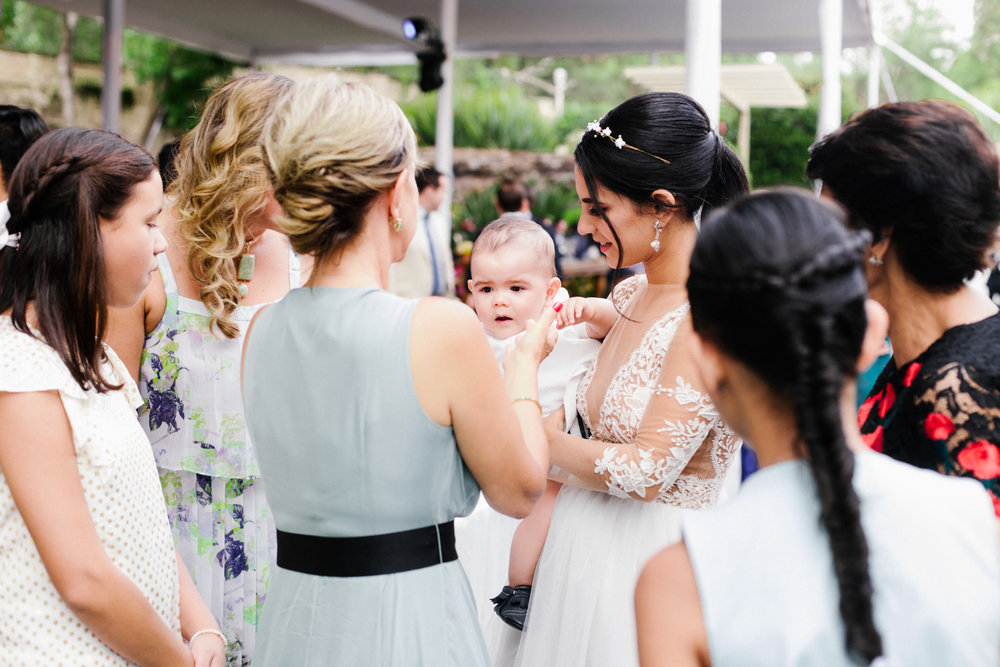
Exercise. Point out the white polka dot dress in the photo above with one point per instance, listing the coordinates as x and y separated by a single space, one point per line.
124 496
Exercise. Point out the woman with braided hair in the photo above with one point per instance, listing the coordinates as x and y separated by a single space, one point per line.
831 554
90 573
645 174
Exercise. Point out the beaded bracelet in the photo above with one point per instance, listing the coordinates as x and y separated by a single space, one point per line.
528 398
208 631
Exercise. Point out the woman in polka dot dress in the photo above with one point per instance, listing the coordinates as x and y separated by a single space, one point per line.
89 572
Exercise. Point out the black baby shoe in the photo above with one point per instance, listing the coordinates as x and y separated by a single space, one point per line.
512 605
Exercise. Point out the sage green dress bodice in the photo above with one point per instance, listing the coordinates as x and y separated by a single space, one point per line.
346 450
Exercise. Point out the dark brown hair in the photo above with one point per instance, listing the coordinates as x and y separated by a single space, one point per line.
777 283
64 185
511 194
927 174
679 152
19 128
428 177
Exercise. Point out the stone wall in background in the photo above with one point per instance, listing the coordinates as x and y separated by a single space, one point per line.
31 80
480 168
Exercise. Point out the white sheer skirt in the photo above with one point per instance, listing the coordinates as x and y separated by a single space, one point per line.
581 609
483 540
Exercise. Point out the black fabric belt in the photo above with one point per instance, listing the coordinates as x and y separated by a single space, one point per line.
368 555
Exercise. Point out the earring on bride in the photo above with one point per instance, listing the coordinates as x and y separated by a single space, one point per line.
655 245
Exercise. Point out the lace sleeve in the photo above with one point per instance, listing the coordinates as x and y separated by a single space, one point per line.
623 292
959 416
679 435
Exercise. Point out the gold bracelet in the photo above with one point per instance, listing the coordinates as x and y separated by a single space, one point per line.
528 398
209 631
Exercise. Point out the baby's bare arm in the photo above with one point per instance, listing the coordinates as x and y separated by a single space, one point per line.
599 314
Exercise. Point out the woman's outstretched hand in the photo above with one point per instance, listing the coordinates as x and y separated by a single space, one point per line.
537 340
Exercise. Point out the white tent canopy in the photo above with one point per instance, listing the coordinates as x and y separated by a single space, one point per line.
370 30
277 29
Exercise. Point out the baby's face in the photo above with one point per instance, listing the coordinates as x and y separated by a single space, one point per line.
509 287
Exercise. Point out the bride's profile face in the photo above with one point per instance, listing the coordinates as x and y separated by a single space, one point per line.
635 229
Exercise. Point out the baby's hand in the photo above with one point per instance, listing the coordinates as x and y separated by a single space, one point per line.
599 314
575 309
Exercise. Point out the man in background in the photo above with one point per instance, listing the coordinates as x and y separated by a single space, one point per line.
514 199
428 268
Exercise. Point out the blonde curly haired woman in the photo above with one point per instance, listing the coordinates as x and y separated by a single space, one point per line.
183 341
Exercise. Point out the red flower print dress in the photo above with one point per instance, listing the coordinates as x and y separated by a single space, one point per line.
942 410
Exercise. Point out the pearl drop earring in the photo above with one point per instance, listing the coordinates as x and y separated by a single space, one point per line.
655 245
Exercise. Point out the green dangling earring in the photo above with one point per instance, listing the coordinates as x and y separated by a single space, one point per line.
245 268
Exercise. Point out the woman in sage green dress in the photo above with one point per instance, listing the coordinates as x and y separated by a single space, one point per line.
376 418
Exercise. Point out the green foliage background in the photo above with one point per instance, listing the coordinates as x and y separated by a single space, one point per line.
495 109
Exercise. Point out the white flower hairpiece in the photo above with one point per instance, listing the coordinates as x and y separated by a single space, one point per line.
7 240
620 143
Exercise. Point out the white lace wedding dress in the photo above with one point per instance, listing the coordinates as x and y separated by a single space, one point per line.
667 453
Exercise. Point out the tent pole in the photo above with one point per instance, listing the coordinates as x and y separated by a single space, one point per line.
831 24
444 130
874 68
111 91
703 55
938 78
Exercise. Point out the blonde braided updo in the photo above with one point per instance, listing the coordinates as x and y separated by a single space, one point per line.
331 149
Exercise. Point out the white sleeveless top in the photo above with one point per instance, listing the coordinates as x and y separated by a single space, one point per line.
769 595
122 492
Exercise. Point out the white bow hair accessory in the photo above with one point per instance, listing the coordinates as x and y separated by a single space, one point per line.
7 240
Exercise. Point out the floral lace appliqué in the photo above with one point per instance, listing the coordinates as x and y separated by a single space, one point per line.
627 476
629 469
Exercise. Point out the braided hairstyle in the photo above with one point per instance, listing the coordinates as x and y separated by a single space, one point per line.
777 283
66 183
703 172
330 149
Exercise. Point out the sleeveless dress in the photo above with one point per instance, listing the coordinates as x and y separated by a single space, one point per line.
666 443
346 450
193 413
122 492
765 574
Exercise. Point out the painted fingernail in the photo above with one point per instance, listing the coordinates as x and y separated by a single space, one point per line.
557 307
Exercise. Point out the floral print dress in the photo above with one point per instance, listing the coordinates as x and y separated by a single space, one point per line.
193 414
942 410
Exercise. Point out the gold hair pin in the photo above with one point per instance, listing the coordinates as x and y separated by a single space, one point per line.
595 127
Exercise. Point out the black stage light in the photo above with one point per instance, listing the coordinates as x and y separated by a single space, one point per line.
432 56
414 27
